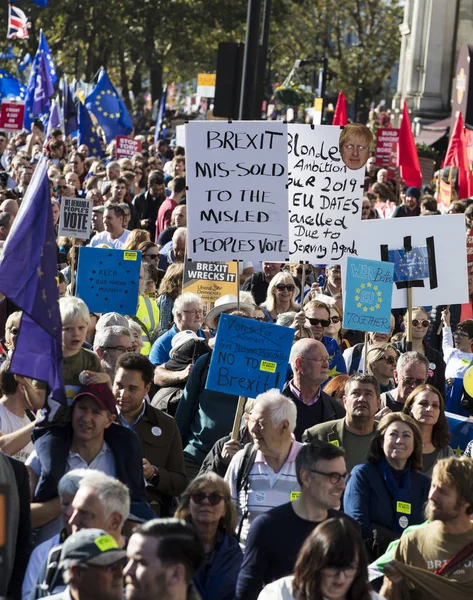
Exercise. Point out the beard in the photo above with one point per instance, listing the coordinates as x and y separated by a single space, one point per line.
433 513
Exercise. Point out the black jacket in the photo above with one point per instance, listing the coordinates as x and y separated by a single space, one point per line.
258 286
146 207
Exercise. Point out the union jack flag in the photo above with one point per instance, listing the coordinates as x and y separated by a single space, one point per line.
18 23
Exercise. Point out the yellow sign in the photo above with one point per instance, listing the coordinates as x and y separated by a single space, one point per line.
206 79
318 104
334 443
294 496
268 366
403 507
105 542
130 255
211 280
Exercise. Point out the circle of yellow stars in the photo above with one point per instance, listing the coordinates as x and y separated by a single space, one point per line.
376 290
100 109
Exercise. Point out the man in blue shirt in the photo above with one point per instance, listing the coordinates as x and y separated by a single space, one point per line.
188 314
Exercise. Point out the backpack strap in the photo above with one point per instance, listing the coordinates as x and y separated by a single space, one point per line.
51 574
355 358
242 481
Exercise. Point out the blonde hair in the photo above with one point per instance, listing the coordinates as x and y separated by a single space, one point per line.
281 277
136 237
376 352
73 309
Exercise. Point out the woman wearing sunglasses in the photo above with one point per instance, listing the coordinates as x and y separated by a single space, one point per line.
281 296
331 565
427 407
381 362
420 327
207 505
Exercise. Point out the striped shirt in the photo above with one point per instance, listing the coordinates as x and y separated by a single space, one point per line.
266 489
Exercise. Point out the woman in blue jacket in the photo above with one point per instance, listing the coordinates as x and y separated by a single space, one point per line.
388 493
207 504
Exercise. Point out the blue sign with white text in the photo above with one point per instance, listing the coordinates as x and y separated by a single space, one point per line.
108 280
368 295
249 357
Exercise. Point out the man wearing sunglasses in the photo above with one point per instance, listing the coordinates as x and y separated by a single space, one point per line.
309 361
355 431
318 315
276 537
412 369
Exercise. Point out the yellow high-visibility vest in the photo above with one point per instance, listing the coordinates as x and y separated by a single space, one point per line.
148 314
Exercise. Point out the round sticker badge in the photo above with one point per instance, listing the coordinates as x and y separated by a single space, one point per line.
260 497
403 521
157 431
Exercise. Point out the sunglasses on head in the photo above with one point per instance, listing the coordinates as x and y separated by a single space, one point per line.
282 286
323 322
423 322
214 498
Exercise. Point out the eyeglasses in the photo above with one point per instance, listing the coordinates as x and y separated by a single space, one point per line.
424 322
336 571
198 312
213 498
62 187
152 256
121 349
324 359
282 286
412 382
323 322
335 319
334 477
389 359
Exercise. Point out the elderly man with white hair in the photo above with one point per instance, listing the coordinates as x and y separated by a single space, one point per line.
263 474
188 311
109 344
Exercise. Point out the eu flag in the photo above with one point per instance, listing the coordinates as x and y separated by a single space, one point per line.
10 87
88 133
28 278
43 46
69 110
161 129
54 120
109 109
409 266
39 91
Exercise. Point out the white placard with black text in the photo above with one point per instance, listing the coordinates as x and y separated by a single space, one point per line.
75 218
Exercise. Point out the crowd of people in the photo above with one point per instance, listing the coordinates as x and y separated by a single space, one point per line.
138 486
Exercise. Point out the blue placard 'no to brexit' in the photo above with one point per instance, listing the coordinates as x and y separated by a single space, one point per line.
108 280
368 295
249 357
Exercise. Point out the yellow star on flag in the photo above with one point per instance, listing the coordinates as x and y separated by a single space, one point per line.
359 305
379 294
100 109
375 287
372 308
333 372
362 286
105 114
357 297
378 306
365 309
369 284
458 451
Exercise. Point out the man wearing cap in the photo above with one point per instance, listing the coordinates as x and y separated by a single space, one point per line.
188 312
97 219
93 564
160 440
204 416
411 207
90 440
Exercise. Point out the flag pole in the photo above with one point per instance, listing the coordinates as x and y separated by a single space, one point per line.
365 348
409 319
73 260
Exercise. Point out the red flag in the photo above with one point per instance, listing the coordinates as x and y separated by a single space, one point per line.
407 157
340 114
457 156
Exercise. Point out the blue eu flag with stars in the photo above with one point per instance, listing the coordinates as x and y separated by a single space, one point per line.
69 110
410 266
10 87
88 133
28 269
109 109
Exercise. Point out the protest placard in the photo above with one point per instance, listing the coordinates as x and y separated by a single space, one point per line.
368 295
206 84
126 146
249 357
461 430
12 114
387 140
469 248
210 281
237 199
75 218
433 245
325 197
108 280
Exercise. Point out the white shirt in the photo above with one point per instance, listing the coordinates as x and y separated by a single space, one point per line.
9 423
105 238
281 589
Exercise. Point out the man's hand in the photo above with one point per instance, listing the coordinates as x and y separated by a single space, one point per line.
148 469
299 320
94 378
144 222
229 450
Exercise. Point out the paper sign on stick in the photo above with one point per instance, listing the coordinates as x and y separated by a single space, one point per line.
237 199
75 218
211 281
444 238
249 357
108 280
325 197
367 296
12 115
127 147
